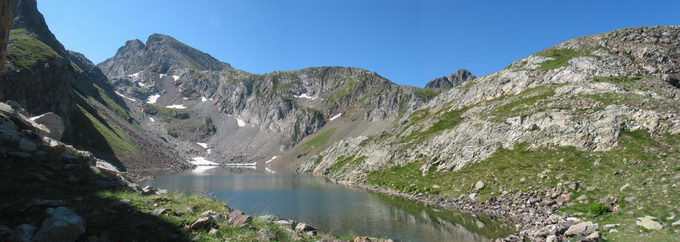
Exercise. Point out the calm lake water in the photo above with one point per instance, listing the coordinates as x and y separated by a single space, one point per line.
330 207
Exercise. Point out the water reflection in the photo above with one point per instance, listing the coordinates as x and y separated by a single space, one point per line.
332 207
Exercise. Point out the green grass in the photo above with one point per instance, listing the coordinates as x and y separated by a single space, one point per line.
343 162
426 94
166 114
648 163
25 51
188 208
117 139
521 103
447 120
561 57
113 105
350 87
319 141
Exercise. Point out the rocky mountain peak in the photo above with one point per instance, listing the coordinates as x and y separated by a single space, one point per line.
452 80
160 54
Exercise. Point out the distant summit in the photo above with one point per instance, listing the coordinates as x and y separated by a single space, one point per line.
451 81
162 54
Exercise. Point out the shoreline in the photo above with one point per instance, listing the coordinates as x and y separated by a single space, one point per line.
535 217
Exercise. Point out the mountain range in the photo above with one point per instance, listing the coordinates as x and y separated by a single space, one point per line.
589 127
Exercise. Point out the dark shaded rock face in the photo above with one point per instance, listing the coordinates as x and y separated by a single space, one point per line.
6 8
43 77
450 81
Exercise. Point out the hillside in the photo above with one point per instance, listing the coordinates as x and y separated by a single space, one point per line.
209 109
593 120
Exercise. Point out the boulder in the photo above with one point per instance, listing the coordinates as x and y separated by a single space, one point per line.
265 235
61 224
580 229
592 237
160 211
53 123
551 238
302 227
238 218
203 223
649 222
479 185
287 223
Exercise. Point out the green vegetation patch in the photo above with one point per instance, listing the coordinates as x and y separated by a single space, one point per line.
319 141
523 102
647 163
113 105
350 87
24 51
343 162
185 209
447 120
626 82
180 123
426 94
560 57
116 138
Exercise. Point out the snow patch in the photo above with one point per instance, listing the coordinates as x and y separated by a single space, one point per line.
135 75
240 122
209 151
204 145
269 170
203 99
185 98
123 96
270 160
153 98
162 75
141 84
336 116
201 161
202 169
176 106
304 95
152 120
241 164
175 77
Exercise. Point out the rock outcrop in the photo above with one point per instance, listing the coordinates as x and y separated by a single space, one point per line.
451 81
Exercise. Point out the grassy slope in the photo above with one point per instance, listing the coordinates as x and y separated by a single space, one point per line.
25 51
649 164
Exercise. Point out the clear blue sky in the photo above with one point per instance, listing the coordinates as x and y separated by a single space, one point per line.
408 42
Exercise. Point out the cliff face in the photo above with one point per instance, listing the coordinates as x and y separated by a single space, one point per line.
6 8
43 77
254 116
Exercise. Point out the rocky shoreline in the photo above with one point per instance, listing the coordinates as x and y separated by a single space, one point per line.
535 214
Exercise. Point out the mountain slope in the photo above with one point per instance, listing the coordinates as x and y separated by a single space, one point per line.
44 77
595 118
239 117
